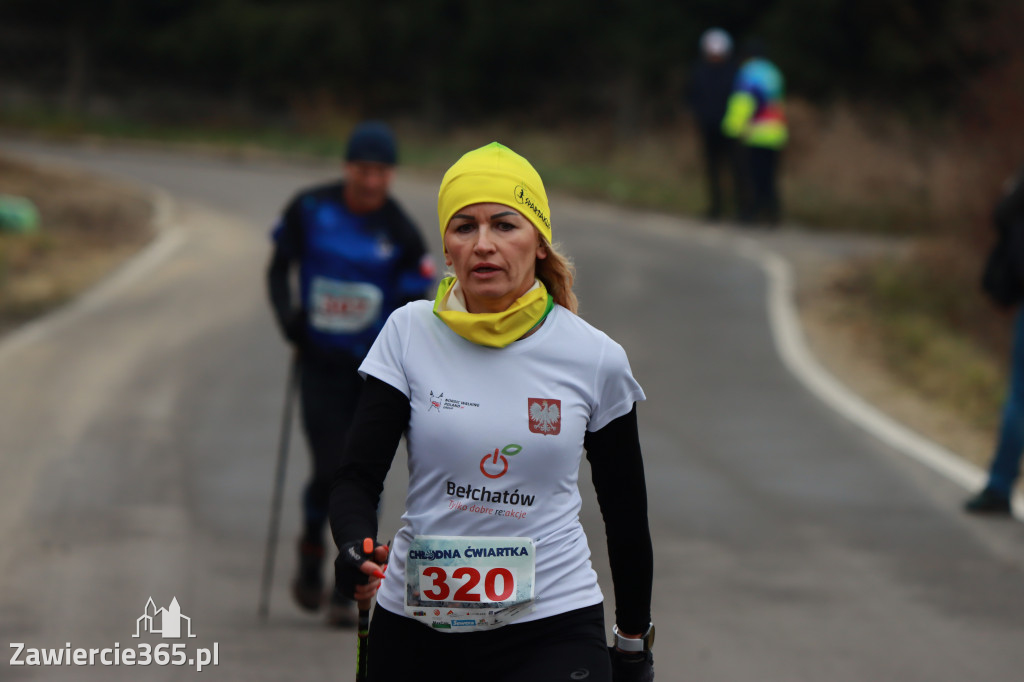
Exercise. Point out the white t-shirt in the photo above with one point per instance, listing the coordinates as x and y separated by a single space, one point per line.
469 404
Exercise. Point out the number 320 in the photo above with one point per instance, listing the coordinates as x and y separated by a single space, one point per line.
469 589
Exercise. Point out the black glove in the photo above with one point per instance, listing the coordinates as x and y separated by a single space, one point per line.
631 666
347 574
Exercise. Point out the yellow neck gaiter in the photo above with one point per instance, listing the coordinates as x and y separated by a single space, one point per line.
496 330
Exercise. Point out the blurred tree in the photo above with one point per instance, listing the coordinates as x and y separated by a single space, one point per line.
457 60
49 27
917 54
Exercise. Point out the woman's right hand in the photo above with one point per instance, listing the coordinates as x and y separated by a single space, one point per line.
359 568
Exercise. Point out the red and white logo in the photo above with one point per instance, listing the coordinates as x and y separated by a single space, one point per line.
545 416
489 465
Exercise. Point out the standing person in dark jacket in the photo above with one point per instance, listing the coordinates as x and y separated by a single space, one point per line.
1004 281
357 257
710 86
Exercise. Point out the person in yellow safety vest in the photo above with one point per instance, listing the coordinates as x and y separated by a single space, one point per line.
755 117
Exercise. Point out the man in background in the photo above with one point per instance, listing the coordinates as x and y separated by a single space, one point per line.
345 257
711 82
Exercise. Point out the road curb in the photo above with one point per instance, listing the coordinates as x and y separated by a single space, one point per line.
788 335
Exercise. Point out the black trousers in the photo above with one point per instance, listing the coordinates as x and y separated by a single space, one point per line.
718 163
759 199
569 646
329 391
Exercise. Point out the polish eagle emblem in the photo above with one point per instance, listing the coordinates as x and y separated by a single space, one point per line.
545 416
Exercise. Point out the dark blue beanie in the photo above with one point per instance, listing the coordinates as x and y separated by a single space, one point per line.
372 141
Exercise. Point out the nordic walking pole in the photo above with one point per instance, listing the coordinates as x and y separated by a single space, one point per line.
362 633
282 466
363 623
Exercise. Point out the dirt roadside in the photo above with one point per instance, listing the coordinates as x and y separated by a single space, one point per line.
841 338
90 225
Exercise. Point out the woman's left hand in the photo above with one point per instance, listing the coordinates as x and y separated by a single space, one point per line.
631 666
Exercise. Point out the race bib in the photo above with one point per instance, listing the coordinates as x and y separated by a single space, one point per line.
462 584
343 307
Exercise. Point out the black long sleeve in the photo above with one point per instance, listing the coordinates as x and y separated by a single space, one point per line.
617 470
285 256
279 291
380 420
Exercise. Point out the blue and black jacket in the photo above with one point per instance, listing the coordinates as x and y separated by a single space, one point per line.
354 270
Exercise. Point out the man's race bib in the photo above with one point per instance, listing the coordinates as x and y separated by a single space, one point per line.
343 307
461 584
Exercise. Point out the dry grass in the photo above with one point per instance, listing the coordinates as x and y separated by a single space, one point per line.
869 171
87 226
905 321
846 168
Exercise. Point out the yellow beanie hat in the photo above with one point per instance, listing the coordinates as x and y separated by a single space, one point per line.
494 174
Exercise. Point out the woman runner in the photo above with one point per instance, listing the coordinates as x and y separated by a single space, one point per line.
500 389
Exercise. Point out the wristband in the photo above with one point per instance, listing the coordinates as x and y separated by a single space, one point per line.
644 643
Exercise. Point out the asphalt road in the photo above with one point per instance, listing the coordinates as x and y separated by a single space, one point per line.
138 437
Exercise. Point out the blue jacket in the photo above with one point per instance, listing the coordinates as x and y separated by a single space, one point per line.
353 271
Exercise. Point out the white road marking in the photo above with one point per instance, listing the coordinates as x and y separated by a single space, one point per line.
798 359
789 339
